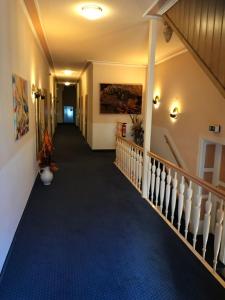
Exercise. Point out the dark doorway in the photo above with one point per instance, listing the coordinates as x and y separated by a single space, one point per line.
69 104
68 114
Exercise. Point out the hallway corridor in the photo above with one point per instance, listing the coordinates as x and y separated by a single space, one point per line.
90 236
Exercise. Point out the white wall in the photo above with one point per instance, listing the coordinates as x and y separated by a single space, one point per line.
20 54
161 147
104 125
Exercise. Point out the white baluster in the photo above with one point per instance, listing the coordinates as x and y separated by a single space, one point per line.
137 167
149 175
181 202
206 224
196 214
124 157
128 160
188 208
118 149
218 233
121 149
162 188
140 170
122 154
131 163
153 180
168 188
134 165
174 197
158 172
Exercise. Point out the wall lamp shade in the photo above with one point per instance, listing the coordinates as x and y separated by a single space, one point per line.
156 101
174 113
38 94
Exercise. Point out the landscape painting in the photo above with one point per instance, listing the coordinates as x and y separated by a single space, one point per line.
20 106
120 98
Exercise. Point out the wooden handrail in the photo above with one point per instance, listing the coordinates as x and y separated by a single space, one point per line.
130 143
172 150
209 187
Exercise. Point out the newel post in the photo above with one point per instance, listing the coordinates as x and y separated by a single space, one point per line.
153 29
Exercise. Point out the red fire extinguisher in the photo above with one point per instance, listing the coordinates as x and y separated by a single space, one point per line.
124 129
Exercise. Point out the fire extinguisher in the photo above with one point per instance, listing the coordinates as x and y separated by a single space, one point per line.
124 129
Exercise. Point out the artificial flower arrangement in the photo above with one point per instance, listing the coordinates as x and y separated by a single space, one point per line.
45 155
137 129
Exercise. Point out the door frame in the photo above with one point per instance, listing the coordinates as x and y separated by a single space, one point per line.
216 182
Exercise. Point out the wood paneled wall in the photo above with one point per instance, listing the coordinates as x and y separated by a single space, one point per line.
201 26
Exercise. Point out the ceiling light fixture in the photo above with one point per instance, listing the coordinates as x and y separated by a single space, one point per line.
67 83
68 72
91 11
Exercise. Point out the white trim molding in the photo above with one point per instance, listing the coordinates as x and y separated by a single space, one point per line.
96 62
159 7
170 56
167 6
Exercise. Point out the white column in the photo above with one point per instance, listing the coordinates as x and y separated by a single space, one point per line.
153 30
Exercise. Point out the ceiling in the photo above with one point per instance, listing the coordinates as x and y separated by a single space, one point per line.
121 36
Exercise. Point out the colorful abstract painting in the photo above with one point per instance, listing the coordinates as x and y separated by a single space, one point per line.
20 106
120 98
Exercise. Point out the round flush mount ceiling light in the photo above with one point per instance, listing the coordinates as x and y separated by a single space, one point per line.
68 72
67 83
91 11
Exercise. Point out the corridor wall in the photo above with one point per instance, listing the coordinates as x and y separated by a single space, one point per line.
104 125
21 55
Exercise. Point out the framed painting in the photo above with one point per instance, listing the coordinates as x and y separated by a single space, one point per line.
20 106
120 98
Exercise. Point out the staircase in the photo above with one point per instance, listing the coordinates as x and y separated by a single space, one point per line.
201 26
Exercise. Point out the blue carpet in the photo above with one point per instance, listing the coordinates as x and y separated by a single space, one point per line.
90 236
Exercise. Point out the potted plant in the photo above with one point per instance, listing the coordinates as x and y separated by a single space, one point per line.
46 164
137 129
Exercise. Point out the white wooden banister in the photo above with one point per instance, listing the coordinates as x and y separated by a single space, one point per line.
176 196
129 159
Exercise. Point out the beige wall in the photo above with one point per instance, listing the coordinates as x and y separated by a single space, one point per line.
20 54
181 80
104 125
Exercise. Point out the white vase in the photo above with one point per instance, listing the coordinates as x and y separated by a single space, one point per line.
46 175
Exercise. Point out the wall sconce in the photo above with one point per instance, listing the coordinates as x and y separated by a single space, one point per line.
174 113
156 102
43 97
37 94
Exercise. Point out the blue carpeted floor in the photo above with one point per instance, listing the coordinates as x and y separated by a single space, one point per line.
90 236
